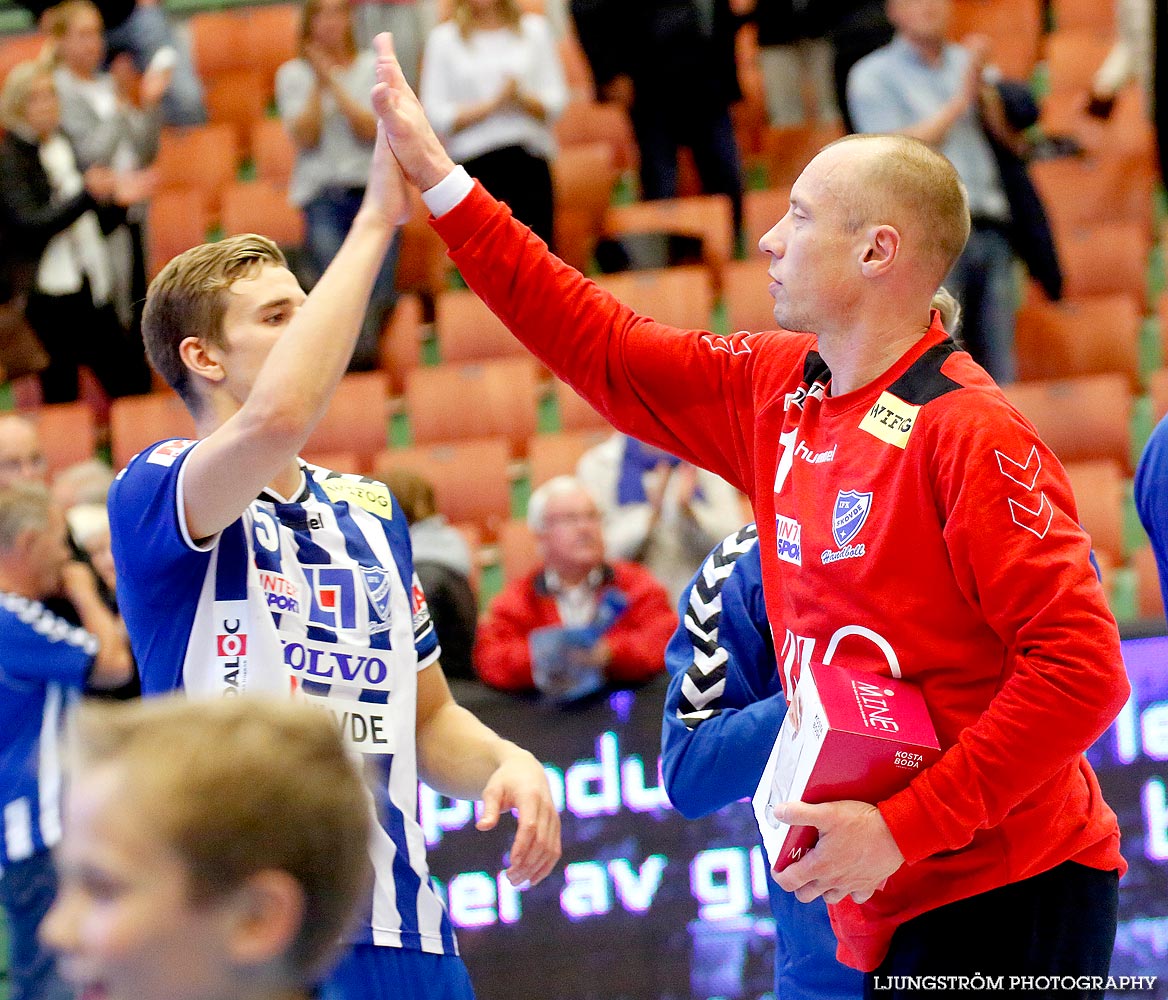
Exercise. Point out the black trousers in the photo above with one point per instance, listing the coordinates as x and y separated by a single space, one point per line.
76 332
523 181
1060 923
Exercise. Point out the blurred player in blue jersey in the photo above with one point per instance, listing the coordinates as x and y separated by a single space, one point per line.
723 712
44 664
241 569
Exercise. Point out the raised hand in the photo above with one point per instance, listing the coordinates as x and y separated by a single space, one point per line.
417 149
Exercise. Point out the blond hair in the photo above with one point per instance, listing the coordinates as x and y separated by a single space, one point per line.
18 85
908 184
188 298
464 15
307 15
239 786
57 18
413 492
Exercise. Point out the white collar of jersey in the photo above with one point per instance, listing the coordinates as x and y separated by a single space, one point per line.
301 494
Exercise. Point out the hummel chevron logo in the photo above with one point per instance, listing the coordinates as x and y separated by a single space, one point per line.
716 342
1018 472
1037 521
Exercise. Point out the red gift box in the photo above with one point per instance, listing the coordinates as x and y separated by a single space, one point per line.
851 735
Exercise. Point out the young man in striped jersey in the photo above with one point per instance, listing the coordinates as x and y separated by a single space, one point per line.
241 569
44 663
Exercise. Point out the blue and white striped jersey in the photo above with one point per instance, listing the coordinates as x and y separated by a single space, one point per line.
314 596
43 665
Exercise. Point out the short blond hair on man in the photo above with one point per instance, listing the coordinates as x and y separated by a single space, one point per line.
907 183
239 786
188 298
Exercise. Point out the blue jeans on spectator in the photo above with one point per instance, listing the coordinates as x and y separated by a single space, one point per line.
983 281
708 134
142 34
329 216
27 890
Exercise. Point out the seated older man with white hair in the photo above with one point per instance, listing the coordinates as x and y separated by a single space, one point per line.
577 622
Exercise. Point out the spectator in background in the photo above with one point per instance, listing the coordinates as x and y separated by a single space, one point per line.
107 129
22 459
922 86
576 622
84 482
1130 56
793 52
658 510
323 96
54 240
409 21
140 28
231 865
44 663
442 561
723 711
88 525
854 28
492 84
672 64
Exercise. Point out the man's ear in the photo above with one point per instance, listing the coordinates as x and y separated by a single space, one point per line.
202 359
881 252
266 914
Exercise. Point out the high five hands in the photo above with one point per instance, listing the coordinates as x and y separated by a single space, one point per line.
417 149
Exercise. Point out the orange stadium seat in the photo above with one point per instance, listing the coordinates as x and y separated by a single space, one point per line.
272 32
219 41
1078 337
335 461
17 49
1150 593
66 433
1098 488
761 209
273 151
203 158
518 549
550 455
421 260
748 304
1081 419
1158 390
236 98
678 296
1127 132
1073 56
138 421
1091 15
583 177
598 121
707 217
261 207
470 478
786 151
400 350
357 419
469 331
1105 259
1014 28
459 402
575 414
1080 191
176 221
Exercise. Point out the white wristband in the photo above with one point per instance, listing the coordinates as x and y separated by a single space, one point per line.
448 192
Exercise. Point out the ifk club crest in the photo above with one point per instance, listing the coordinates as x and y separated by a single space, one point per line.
851 511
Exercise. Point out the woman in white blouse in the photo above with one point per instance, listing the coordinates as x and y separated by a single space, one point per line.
492 85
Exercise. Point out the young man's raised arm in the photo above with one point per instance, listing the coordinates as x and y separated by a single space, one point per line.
293 387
